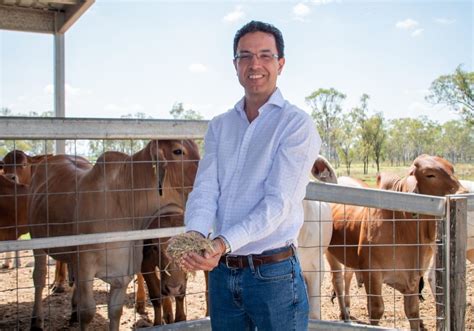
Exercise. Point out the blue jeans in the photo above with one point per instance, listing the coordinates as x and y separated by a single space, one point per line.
268 297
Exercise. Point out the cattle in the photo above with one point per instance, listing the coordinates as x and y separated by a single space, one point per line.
390 247
314 237
69 196
13 208
431 273
13 216
21 165
172 281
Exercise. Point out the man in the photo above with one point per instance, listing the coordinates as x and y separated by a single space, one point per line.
248 193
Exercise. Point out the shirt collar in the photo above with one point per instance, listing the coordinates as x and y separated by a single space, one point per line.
275 99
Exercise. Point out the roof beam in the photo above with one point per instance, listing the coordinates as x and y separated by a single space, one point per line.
24 19
73 13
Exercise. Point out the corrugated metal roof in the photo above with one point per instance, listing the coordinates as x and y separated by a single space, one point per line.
45 16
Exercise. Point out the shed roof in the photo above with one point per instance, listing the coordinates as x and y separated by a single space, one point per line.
44 16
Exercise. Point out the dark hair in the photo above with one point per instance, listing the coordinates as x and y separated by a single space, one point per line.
257 26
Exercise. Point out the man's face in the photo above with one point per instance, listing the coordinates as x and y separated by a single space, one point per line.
258 76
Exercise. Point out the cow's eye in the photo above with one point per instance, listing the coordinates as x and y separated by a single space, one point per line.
178 151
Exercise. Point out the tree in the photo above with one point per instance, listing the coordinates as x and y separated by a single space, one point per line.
376 128
347 138
456 91
179 113
326 107
360 116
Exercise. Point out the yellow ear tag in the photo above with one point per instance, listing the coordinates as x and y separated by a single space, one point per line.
154 168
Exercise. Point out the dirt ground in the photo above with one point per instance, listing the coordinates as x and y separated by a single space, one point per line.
16 303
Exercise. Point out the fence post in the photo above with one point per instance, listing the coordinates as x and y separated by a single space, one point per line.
457 263
441 255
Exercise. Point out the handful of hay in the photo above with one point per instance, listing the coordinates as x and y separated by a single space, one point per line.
184 243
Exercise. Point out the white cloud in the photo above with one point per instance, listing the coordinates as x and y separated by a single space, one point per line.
197 68
322 2
445 21
406 24
235 15
301 10
417 32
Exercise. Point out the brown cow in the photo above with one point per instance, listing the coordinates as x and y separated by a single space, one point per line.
22 166
172 281
387 246
13 215
70 196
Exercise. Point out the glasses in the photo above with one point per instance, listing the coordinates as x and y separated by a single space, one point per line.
246 57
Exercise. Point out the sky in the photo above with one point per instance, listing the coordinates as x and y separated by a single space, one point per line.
124 57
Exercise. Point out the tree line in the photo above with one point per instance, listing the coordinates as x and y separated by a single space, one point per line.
353 136
348 135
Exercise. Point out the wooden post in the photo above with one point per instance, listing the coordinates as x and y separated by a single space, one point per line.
457 263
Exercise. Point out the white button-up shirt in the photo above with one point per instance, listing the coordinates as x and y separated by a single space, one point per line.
252 178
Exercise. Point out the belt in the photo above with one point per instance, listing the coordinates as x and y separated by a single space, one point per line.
242 261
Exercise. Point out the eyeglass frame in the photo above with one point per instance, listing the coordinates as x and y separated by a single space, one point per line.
238 56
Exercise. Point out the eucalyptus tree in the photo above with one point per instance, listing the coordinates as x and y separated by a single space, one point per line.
375 130
347 139
326 108
456 91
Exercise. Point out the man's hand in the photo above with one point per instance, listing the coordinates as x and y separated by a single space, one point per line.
194 262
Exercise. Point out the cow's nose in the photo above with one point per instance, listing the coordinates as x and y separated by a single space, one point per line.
13 177
174 290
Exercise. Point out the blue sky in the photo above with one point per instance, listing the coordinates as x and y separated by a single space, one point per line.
143 56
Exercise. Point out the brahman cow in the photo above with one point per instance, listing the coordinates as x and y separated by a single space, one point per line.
315 236
17 163
172 281
119 193
388 246
13 214
431 273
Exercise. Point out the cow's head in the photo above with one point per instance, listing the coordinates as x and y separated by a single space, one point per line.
435 176
175 163
18 163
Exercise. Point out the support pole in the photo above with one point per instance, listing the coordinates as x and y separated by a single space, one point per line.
59 85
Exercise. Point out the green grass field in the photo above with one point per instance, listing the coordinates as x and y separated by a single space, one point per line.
462 171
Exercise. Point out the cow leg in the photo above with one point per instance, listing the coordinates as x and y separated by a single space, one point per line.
39 280
338 284
470 255
154 290
116 300
7 262
84 295
59 278
180 314
141 295
373 288
348 273
167 305
411 304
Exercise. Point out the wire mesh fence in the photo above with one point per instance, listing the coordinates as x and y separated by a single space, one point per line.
98 208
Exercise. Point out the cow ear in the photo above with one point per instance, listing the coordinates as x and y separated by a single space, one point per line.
1 164
412 184
156 152
323 171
